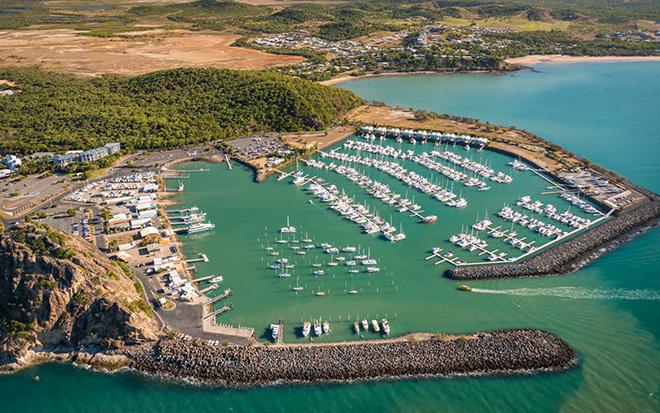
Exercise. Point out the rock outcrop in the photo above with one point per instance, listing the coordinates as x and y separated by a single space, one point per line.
58 292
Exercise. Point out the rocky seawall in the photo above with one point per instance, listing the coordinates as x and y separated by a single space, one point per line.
575 253
499 352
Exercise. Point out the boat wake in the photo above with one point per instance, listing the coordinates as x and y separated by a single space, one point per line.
578 293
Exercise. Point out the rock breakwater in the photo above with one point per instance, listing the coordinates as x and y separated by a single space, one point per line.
499 352
575 253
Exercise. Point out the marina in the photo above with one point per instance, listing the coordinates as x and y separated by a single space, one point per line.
310 265
615 337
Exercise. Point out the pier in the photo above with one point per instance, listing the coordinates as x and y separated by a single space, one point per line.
362 216
202 258
182 211
218 312
200 279
280 336
209 288
228 161
391 199
222 296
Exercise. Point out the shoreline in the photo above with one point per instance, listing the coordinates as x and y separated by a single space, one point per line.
514 64
349 78
537 59
501 352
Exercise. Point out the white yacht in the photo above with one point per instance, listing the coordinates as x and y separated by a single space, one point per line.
288 229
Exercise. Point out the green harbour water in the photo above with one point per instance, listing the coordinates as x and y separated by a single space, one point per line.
608 311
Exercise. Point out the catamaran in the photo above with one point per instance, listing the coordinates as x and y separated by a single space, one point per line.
288 229
317 328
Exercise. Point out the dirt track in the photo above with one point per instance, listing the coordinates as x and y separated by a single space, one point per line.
136 53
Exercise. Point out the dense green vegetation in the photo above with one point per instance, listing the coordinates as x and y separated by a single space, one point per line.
56 112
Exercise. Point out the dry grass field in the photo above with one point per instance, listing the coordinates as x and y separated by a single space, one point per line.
130 54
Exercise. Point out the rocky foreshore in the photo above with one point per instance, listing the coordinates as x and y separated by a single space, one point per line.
499 352
574 253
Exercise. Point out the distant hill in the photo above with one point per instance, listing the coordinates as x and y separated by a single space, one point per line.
56 112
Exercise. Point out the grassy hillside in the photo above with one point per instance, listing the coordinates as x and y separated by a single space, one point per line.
56 112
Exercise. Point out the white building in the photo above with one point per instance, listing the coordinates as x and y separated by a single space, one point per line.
12 162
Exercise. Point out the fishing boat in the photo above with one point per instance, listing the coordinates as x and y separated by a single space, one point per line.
375 326
464 287
195 228
429 219
365 324
356 327
386 326
317 328
275 331
306 328
326 327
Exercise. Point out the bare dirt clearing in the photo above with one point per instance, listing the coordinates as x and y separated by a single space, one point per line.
73 52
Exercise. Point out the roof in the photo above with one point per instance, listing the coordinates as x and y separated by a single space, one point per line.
149 231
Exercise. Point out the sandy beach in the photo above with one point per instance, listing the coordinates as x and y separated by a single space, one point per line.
348 78
536 59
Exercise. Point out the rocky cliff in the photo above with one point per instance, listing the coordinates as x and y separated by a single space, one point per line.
57 291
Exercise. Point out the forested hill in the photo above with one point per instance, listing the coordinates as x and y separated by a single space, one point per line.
56 112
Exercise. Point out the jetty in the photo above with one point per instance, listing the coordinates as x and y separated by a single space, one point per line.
280 335
209 288
219 311
418 355
222 296
228 161
207 277
201 258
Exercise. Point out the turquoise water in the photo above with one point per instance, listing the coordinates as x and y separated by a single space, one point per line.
608 311
608 112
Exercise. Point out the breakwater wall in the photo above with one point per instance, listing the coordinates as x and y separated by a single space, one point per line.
575 253
499 352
